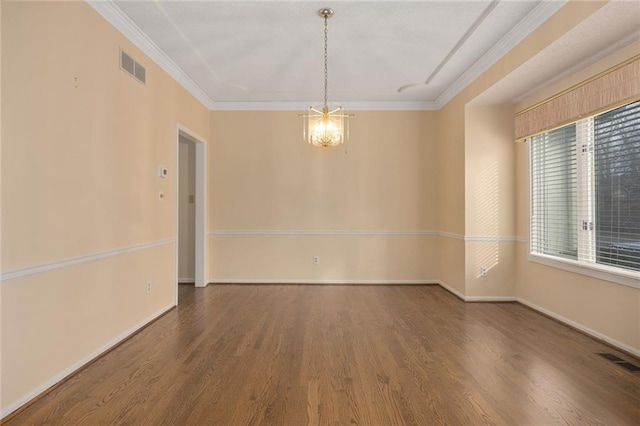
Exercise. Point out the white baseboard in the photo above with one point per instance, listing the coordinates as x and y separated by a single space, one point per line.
75 367
365 282
490 299
477 298
567 321
307 281
451 290
186 280
578 326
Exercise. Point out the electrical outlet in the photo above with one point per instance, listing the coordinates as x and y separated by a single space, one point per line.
483 271
316 260
148 287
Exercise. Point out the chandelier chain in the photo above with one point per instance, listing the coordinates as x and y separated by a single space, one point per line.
326 73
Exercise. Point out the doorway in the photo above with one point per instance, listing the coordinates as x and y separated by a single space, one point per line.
190 209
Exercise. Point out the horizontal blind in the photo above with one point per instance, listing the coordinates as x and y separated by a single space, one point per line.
617 182
554 193
614 87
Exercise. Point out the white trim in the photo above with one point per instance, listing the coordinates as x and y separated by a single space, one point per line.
475 238
543 11
522 239
451 290
116 17
58 264
490 299
365 282
186 280
304 105
451 235
358 233
201 213
560 318
321 233
76 366
476 298
584 329
323 281
601 272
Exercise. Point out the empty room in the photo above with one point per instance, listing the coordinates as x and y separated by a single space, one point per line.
305 212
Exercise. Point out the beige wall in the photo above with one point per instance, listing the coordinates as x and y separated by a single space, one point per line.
450 190
489 201
81 144
460 201
265 180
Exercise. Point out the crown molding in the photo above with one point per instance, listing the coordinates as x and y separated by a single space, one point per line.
347 105
330 233
116 17
543 11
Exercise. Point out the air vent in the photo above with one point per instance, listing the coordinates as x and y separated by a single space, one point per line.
131 67
621 362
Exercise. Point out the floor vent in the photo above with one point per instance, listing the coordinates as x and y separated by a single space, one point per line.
629 366
621 362
611 357
131 67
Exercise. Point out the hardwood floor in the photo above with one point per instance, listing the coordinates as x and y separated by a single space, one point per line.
367 355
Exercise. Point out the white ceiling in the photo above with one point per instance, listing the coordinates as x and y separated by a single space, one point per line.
268 54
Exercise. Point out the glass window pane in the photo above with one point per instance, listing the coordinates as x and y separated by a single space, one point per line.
617 155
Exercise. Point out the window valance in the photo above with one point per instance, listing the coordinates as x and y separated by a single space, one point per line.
605 91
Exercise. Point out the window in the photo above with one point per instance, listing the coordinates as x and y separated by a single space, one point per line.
585 192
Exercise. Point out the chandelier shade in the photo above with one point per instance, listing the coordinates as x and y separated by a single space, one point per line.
326 125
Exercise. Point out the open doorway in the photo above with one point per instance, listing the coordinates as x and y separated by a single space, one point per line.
190 209
186 212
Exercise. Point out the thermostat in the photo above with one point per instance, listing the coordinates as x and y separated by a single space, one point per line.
163 172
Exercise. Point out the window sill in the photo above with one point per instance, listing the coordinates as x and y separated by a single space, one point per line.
606 273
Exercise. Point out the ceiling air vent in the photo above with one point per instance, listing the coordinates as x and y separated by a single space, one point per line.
131 67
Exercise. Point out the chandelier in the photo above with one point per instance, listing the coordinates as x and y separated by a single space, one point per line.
326 126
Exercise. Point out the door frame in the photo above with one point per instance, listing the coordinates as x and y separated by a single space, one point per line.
200 203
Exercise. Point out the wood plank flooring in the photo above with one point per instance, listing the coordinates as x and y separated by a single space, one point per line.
341 355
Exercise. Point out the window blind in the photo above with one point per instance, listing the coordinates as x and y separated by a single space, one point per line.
585 190
554 193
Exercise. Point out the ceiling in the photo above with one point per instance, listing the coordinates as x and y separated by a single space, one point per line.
382 54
